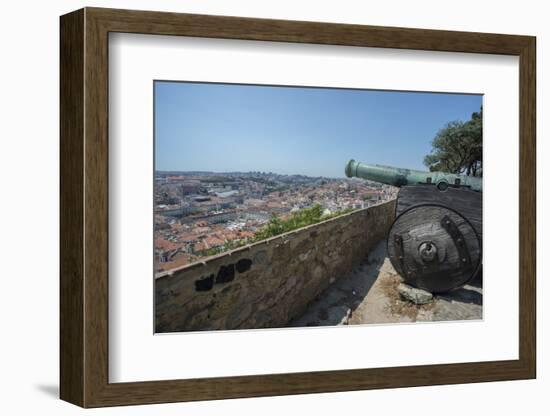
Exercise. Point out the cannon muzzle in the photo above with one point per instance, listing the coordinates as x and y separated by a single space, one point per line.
401 177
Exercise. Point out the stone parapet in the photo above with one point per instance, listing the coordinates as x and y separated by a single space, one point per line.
268 283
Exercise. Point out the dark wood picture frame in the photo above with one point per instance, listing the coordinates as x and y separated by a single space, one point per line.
84 207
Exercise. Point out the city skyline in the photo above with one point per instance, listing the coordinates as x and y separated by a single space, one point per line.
226 128
209 172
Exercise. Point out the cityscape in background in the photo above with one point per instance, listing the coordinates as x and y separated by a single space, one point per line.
236 164
199 214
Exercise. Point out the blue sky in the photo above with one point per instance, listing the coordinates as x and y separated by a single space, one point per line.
293 130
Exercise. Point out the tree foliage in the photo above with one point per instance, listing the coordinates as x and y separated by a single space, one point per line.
457 148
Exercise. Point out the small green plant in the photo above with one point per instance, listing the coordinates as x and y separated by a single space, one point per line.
299 219
277 226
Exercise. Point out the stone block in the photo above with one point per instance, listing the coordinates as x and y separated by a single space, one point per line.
414 295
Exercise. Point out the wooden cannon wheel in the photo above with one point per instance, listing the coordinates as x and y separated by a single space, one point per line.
434 248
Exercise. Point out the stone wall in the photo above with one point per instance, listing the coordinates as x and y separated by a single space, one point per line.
266 284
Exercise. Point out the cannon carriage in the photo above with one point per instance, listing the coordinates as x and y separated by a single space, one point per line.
435 242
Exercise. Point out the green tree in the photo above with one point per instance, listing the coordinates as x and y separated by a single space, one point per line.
457 147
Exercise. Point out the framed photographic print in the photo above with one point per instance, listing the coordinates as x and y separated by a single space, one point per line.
243 199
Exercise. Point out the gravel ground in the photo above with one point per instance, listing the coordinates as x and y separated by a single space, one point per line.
369 295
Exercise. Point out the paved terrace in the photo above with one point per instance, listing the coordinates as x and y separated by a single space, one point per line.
369 295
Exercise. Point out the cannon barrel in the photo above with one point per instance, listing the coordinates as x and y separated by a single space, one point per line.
401 177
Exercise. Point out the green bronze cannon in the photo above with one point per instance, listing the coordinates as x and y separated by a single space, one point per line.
436 239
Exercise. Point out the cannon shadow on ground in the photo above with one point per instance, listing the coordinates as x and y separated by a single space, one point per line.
463 295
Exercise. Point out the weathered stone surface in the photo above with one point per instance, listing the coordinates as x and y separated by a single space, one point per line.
414 295
268 283
304 256
261 257
238 317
